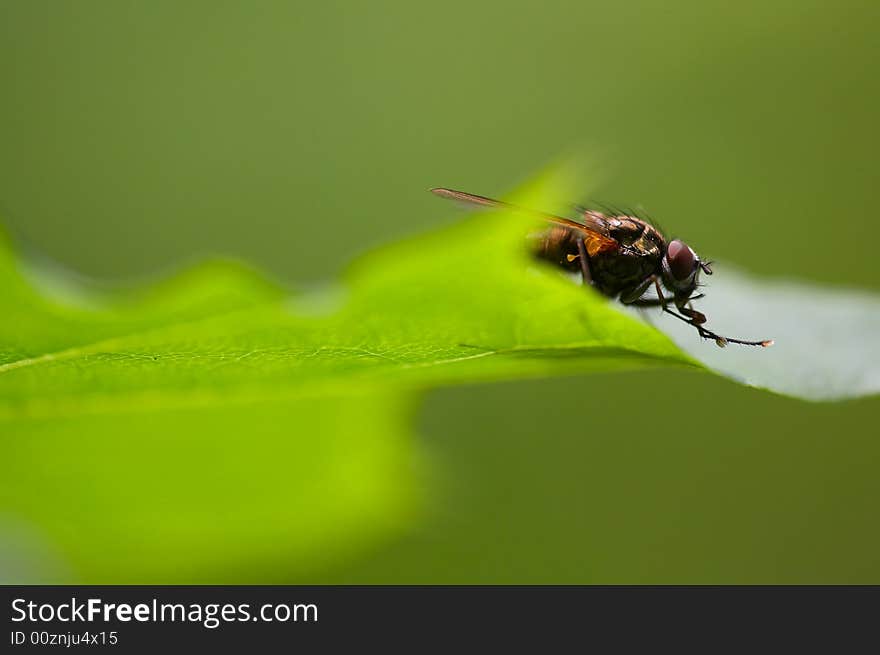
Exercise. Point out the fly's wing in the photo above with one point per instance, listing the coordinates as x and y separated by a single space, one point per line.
594 228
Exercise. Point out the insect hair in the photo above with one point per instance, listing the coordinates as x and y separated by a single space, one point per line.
621 210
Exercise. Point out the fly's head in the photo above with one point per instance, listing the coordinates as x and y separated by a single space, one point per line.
681 270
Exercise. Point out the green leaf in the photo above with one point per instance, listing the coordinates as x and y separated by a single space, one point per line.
827 341
243 490
467 303
213 428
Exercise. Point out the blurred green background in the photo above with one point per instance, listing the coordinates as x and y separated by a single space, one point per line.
138 135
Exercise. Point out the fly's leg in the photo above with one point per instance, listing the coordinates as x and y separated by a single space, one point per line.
584 262
688 314
697 318
632 296
657 302
703 332
586 275
708 334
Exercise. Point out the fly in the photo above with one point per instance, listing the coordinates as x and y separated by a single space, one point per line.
622 257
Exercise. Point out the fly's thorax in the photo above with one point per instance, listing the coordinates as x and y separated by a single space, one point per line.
635 234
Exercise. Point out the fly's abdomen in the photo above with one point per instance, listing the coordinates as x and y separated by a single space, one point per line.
557 246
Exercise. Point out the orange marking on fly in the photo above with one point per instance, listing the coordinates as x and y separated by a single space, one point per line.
596 246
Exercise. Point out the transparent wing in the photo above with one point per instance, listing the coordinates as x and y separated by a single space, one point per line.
594 228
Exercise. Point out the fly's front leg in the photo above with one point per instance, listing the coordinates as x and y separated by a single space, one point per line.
698 318
656 302
698 325
661 300
690 315
694 318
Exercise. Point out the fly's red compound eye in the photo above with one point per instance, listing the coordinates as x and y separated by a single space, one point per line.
681 260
